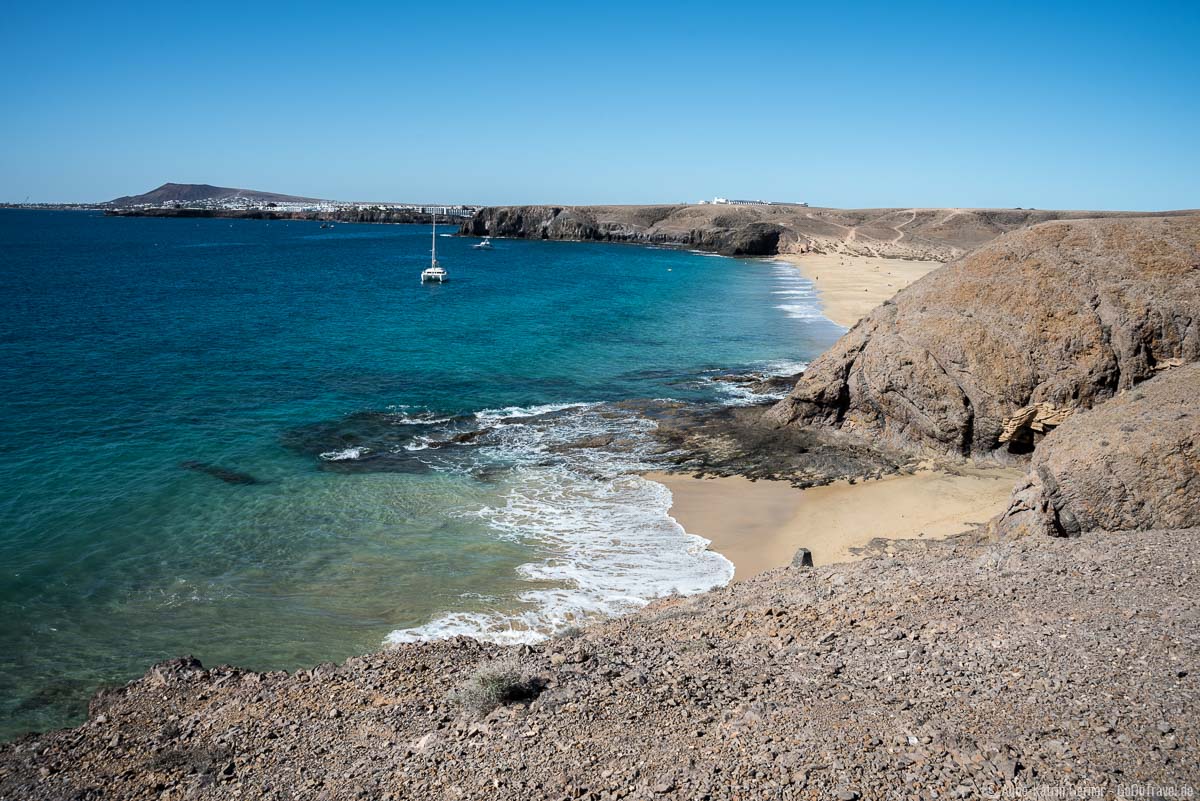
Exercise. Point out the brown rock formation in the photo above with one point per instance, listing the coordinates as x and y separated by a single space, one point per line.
763 230
1133 463
1062 316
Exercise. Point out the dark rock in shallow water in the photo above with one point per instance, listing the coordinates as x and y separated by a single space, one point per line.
379 441
223 473
587 443
762 383
739 441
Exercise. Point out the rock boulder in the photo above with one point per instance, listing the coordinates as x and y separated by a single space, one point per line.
1059 317
1133 463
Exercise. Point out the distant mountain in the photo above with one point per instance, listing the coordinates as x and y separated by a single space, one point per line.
192 193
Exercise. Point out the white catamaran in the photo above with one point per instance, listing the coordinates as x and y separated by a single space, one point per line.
435 271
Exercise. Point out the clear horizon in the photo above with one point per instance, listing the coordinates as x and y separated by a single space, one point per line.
1078 106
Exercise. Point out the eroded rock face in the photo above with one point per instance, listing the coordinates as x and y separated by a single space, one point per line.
740 229
1133 463
1062 315
735 236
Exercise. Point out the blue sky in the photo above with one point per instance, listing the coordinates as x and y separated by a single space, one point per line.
1051 105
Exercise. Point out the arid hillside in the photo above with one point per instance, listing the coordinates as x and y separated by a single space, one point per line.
761 230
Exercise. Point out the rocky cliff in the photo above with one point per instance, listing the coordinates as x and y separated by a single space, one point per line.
1133 463
763 230
983 356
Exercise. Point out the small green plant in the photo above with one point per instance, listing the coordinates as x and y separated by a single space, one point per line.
491 685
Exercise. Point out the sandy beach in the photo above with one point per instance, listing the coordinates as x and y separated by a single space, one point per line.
759 525
850 286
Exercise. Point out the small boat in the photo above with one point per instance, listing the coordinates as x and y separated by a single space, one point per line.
435 271
486 244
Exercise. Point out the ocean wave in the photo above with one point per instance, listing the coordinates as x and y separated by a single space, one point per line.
509 412
346 454
801 311
784 367
613 548
423 417
742 395
609 541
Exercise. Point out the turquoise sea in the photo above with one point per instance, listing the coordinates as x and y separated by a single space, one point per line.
267 444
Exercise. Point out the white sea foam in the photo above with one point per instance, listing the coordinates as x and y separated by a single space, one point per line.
612 545
736 393
345 455
741 395
799 311
401 416
496 415
784 367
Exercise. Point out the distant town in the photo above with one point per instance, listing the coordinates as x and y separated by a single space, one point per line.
285 206
721 201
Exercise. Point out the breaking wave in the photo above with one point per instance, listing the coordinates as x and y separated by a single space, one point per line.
572 489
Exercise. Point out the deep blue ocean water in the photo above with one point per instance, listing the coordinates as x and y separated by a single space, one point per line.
268 444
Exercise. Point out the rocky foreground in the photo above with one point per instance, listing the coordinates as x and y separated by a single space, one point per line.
958 669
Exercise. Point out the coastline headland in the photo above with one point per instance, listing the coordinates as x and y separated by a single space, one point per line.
768 230
345 215
206 200
1052 647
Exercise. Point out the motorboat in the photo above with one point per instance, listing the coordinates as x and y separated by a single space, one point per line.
486 244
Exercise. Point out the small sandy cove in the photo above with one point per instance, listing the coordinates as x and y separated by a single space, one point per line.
759 525
851 286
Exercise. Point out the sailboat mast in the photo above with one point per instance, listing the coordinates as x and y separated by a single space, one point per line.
433 250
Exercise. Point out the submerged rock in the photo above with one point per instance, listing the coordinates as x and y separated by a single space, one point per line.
218 472
379 441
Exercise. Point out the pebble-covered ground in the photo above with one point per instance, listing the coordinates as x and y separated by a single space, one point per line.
940 670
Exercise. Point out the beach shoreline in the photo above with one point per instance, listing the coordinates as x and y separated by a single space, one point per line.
850 286
759 525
